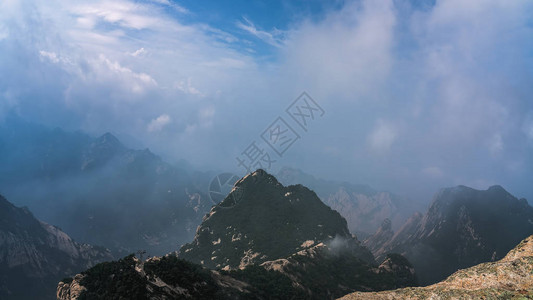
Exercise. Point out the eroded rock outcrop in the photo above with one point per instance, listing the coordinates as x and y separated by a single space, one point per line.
508 278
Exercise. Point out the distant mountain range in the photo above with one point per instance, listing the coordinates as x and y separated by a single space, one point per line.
35 255
104 193
463 227
269 241
101 191
266 239
363 207
275 242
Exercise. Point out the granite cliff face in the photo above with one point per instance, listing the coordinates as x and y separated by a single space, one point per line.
383 235
462 227
35 255
508 278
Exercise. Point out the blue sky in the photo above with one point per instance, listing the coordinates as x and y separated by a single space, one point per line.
417 95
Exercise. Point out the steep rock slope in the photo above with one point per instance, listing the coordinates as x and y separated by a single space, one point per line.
35 255
462 227
508 278
330 271
383 235
262 220
276 242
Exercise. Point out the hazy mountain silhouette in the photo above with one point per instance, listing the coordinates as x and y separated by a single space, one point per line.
35 255
99 190
463 227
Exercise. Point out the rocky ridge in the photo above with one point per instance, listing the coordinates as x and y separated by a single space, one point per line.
363 207
462 227
278 242
262 220
508 278
34 255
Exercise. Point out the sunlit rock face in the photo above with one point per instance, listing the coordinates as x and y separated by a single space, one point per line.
508 278
35 255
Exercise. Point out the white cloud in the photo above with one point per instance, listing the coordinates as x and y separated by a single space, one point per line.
382 137
347 56
454 76
139 52
174 5
274 38
159 123
51 56
187 87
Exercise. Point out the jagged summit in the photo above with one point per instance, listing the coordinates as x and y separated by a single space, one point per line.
108 141
263 220
363 207
101 150
462 227
259 176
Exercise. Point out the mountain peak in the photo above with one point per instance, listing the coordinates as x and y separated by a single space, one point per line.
109 139
462 227
497 188
101 150
263 220
258 176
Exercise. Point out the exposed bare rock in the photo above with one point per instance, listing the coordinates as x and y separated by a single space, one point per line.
70 290
34 255
380 238
462 227
381 246
156 278
328 271
262 220
363 207
508 278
